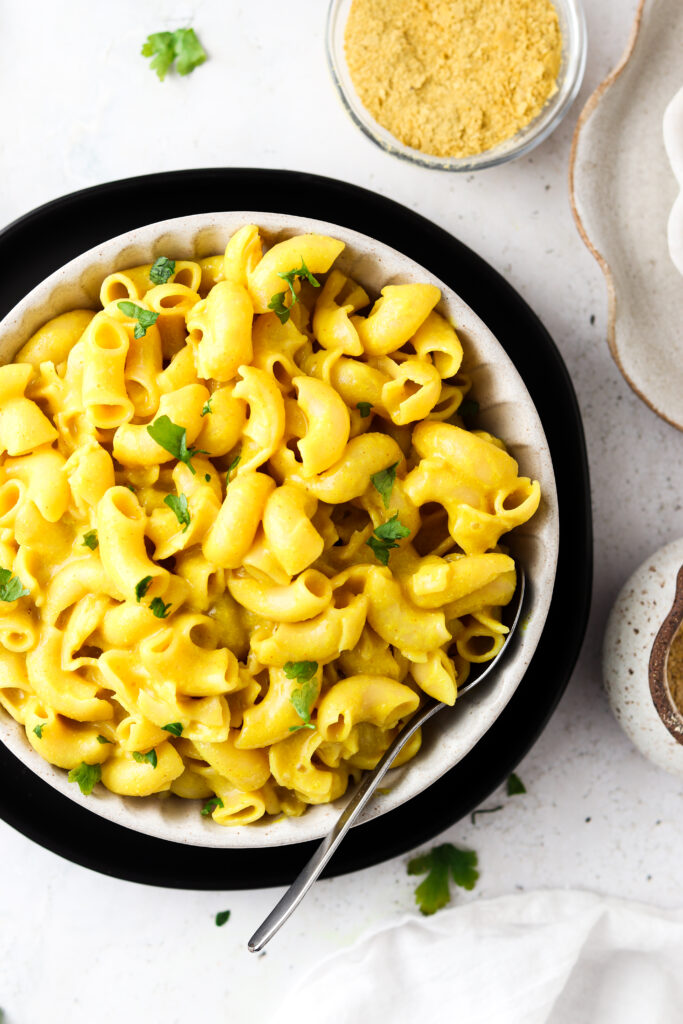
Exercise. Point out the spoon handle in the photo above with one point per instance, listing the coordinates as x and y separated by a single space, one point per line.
310 872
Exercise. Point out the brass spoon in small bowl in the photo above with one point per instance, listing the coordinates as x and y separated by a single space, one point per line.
305 879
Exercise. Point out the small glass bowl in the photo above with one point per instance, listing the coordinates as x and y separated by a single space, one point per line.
573 28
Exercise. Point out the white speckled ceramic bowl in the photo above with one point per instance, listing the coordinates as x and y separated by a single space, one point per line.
641 627
506 410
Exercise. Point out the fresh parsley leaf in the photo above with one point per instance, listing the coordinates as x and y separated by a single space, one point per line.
183 46
301 670
207 477
38 730
103 739
440 863
149 758
173 439
515 786
385 536
179 507
221 917
141 588
145 317
210 806
468 408
277 302
90 540
484 810
175 728
303 697
384 482
11 587
206 408
158 608
364 408
233 465
162 269
86 775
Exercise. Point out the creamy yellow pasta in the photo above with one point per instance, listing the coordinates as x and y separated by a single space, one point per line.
244 529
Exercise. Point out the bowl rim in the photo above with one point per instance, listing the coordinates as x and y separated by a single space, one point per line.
529 137
100 260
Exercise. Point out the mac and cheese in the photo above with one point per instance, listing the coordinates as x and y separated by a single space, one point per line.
244 529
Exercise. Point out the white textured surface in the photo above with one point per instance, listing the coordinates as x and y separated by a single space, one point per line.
672 131
84 109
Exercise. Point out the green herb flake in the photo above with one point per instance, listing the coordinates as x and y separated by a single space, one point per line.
145 317
149 758
158 608
103 739
277 302
175 728
173 439
180 509
221 917
211 805
206 408
90 540
38 730
484 810
233 465
383 482
385 536
515 786
162 269
364 408
468 408
441 862
86 775
181 46
207 477
11 587
141 587
303 697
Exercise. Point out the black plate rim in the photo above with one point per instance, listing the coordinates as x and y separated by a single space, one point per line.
257 868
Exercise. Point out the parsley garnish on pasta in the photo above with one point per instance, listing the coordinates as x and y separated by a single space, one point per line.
441 864
162 269
103 739
364 408
277 302
11 587
145 317
385 536
158 608
233 465
383 482
211 805
181 46
38 730
175 728
149 758
141 587
86 775
303 698
173 439
206 408
178 505
90 540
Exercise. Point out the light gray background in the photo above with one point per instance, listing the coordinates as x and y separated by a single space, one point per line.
81 107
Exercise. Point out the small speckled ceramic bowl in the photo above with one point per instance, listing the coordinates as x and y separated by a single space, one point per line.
506 410
642 625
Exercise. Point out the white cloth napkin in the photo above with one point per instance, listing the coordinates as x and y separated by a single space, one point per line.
673 143
533 958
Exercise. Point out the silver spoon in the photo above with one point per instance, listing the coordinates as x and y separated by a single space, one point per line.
305 879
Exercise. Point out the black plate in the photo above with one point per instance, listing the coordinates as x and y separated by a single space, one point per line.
43 240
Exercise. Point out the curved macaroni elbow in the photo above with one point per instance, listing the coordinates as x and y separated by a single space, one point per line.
395 317
379 700
318 252
266 422
133 445
287 526
238 519
220 331
121 525
307 596
414 631
321 639
327 425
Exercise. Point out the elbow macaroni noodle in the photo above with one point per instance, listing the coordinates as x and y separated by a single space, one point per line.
243 529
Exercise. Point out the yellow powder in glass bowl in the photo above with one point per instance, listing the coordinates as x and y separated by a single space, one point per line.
453 77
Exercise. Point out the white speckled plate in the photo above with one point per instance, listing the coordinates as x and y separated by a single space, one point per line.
506 409
623 190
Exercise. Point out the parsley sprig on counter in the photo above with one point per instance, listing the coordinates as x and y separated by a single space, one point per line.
303 697
277 302
515 786
181 46
441 864
145 317
172 438
384 538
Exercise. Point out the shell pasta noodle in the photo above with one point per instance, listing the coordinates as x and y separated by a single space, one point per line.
244 530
